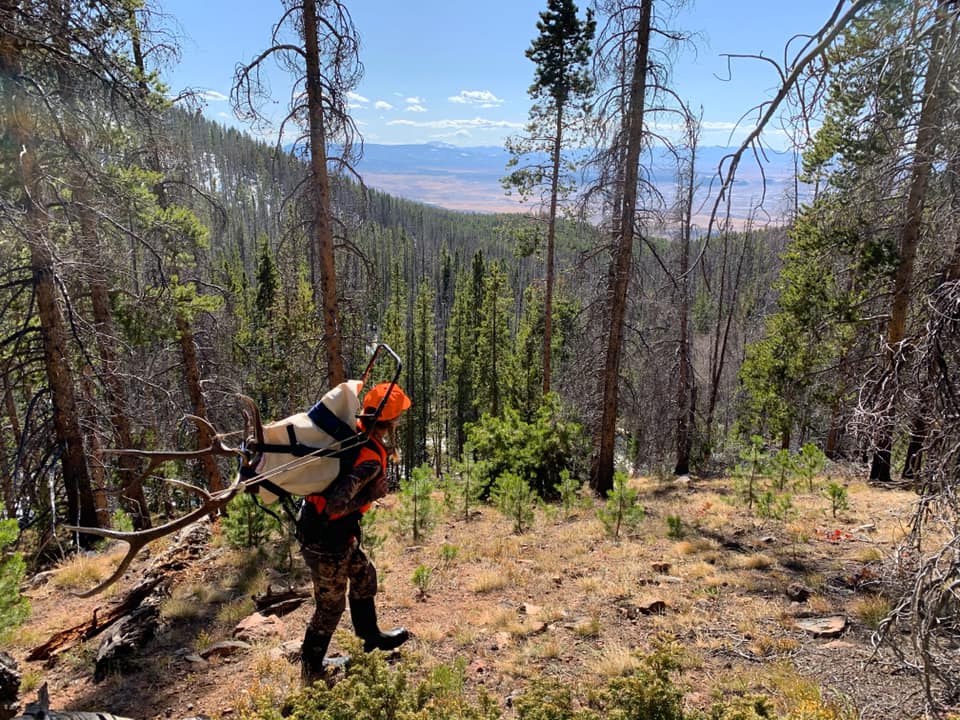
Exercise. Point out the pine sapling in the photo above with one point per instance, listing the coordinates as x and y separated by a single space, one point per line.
837 495
808 463
514 498
748 473
621 509
568 489
415 515
422 578
463 489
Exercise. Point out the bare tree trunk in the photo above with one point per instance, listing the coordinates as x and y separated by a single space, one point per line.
191 371
685 410
322 220
98 475
602 476
21 132
927 133
721 338
551 245
16 437
132 498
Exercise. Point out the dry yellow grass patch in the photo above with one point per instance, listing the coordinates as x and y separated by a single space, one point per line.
614 661
757 561
868 555
588 627
543 650
487 581
430 632
820 605
465 635
870 609
82 571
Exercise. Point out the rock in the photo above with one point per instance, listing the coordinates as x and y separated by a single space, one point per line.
223 649
668 579
528 609
661 567
195 659
830 626
258 627
797 592
653 607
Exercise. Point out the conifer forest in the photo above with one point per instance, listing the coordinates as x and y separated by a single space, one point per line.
156 265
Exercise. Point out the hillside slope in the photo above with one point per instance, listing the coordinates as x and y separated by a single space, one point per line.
562 601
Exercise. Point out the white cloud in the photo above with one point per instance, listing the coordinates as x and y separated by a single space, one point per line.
459 125
414 100
383 105
415 108
483 98
211 96
357 98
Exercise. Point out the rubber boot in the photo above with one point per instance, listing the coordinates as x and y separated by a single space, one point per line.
364 615
312 652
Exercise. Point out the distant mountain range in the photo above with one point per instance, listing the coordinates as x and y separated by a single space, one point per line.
468 178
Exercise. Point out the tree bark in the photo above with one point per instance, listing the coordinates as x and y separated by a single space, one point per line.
21 133
602 475
132 498
191 371
322 220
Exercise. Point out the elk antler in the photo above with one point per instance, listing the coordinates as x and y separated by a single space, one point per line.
211 502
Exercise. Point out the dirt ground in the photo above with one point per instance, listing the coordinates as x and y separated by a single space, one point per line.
561 600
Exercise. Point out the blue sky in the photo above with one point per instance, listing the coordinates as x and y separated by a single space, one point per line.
454 71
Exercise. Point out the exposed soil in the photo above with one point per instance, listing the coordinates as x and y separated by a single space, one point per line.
561 600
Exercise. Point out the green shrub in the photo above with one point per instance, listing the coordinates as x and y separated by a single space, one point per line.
808 463
515 499
550 700
247 524
373 538
621 509
837 495
422 578
539 450
415 515
13 608
121 521
568 489
373 690
675 527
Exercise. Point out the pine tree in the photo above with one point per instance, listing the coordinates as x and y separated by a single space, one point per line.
560 92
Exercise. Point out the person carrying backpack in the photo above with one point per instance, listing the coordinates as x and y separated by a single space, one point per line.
329 532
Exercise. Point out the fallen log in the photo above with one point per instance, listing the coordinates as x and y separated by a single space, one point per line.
279 603
160 575
66 639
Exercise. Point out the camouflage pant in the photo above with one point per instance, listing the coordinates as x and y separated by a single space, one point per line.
332 569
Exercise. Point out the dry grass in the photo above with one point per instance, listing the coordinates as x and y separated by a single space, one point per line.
615 661
490 580
83 571
563 601
870 610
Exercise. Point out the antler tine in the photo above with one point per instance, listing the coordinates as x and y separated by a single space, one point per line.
138 540
252 415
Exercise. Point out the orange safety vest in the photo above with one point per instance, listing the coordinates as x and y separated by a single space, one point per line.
367 453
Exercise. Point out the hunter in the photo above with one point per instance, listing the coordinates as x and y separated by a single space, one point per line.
329 532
